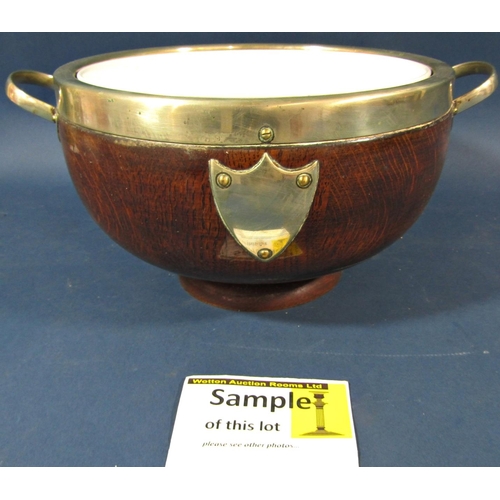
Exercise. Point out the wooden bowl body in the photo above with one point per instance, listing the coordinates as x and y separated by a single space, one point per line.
155 199
257 185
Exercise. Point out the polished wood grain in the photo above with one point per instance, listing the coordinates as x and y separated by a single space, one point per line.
259 298
155 200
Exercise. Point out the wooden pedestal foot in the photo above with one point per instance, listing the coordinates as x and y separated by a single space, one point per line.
259 298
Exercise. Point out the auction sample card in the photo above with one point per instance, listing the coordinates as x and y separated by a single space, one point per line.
236 424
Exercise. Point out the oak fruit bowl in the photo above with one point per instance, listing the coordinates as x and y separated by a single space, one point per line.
257 173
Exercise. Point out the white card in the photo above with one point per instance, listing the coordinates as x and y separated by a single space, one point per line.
238 424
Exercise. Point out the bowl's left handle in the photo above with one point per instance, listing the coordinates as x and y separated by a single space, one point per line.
24 100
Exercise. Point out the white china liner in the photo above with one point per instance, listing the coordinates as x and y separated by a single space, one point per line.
253 73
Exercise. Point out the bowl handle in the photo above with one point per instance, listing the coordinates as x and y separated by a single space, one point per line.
479 93
24 100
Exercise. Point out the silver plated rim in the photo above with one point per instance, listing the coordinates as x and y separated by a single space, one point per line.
240 121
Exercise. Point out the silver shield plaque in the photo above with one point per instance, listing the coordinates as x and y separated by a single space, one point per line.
265 206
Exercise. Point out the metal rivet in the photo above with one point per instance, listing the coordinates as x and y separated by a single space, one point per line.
264 253
266 134
223 180
304 181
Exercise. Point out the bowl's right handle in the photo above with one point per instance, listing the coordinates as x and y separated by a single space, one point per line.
24 100
479 93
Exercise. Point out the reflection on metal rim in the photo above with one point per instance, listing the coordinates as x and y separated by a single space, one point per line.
239 121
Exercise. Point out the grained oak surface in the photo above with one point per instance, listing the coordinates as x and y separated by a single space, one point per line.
155 200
